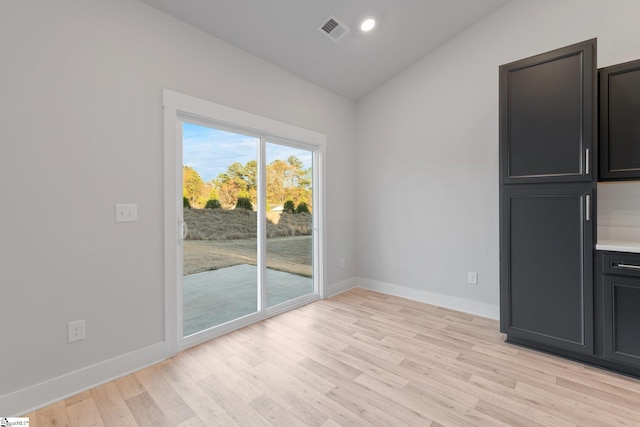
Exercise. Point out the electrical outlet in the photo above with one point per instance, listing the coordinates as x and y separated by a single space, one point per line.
343 263
76 331
472 278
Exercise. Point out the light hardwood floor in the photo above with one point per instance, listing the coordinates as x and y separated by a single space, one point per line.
358 359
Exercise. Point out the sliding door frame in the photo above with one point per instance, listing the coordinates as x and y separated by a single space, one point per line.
179 108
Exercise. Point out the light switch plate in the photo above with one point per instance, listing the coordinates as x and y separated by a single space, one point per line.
126 212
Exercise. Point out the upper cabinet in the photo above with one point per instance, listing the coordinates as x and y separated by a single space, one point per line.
548 116
620 122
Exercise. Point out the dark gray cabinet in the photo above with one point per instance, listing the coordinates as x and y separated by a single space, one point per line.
546 265
621 308
548 298
619 130
547 192
547 114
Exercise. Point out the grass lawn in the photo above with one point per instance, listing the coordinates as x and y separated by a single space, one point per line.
290 254
220 238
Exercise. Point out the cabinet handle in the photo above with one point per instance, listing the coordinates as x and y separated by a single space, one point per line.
587 161
629 266
588 207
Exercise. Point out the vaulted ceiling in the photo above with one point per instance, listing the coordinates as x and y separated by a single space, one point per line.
286 33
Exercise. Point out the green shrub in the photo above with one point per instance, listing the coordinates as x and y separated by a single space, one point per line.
213 204
186 203
302 208
244 203
289 207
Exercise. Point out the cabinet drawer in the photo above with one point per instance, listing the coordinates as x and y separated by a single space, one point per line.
621 299
621 264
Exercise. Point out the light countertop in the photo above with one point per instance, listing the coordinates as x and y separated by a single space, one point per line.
618 246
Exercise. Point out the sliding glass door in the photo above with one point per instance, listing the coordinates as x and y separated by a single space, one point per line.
248 227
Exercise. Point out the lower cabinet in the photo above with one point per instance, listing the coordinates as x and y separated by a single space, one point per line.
547 265
621 308
549 298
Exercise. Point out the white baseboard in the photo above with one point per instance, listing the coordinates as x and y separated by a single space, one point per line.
340 287
441 300
42 394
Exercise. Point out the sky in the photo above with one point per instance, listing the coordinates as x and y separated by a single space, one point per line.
211 151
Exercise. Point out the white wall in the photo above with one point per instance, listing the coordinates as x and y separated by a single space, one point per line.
619 211
428 150
80 130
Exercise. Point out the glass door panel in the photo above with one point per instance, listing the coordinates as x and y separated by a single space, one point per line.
289 218
219 206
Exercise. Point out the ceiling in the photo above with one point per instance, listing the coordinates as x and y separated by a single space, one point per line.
286 33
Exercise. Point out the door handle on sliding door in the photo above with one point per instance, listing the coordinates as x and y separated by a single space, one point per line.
184 230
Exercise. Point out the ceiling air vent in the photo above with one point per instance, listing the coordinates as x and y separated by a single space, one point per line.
333 28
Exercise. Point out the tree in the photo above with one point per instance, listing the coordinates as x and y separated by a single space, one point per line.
209 191
212 194
289 207
298 177
251 175
192 184
306 179
302 208
244 203
276 182
212 204
237 179
286 180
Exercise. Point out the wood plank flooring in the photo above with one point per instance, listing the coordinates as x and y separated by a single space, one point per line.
358 359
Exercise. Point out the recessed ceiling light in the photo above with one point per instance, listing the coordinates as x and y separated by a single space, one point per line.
368 24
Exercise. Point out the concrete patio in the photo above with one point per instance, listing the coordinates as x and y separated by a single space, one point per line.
215 297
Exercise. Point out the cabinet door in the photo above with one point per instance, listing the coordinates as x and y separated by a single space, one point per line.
547 113
619 124
547 264
621 299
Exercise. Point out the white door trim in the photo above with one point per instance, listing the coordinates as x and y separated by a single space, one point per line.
177 106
